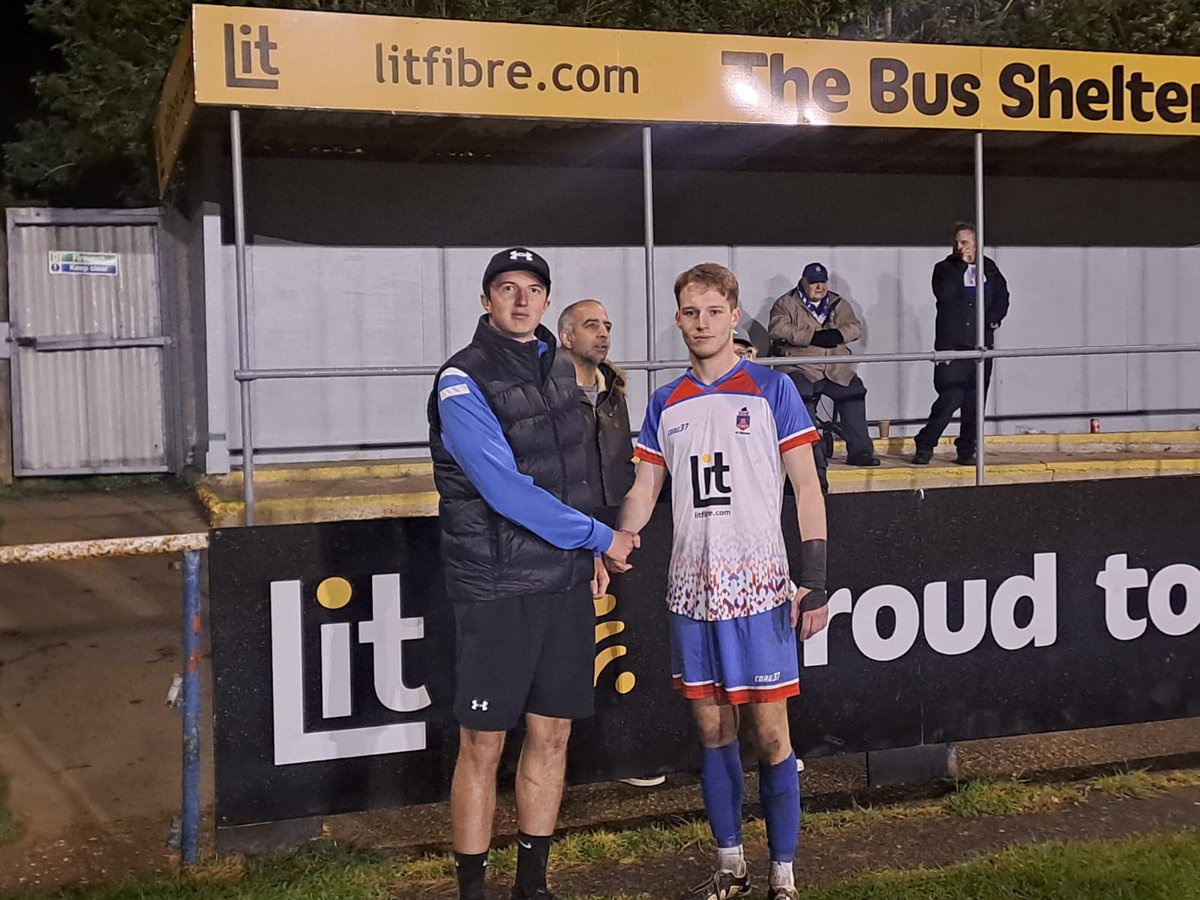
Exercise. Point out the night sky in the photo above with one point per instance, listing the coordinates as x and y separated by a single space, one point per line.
23 52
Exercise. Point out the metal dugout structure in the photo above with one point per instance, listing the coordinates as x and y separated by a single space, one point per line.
323 85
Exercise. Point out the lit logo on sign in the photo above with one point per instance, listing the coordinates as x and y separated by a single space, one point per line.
248 57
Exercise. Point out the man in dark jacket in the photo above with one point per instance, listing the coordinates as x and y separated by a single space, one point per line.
955 289
584 335
584 332
519 551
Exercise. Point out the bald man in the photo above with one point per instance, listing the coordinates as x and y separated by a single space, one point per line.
584 334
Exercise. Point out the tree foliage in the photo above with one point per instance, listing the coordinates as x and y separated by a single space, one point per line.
92 143
1129 26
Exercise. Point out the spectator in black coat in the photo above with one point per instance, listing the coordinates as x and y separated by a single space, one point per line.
956 292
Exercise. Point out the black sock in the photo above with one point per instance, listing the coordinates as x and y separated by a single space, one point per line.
533 853
471 869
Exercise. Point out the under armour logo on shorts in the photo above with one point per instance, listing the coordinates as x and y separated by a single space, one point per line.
479 704
520 254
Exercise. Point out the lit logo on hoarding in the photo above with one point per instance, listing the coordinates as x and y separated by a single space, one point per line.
386 633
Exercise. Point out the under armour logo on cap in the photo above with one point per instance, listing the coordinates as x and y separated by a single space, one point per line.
479 705
516 259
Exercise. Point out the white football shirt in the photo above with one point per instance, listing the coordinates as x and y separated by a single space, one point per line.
723 445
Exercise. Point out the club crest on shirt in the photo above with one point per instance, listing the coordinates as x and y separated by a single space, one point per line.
743 419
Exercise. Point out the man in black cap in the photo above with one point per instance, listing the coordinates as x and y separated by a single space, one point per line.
813 322
522 561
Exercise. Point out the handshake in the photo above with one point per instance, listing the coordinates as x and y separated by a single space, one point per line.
616 557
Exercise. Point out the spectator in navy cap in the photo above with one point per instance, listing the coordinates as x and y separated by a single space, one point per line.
814 323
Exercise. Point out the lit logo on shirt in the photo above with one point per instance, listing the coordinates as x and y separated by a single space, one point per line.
709 485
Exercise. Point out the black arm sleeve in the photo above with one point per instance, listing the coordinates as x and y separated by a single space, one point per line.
812 574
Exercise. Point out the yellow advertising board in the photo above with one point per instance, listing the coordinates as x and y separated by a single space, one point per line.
315 60
175 109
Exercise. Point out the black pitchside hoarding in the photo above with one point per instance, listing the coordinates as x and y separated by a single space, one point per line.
956 614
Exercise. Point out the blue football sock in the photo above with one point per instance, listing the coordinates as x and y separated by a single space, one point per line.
721 784
779 792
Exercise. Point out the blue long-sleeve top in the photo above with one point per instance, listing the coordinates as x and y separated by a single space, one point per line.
472 435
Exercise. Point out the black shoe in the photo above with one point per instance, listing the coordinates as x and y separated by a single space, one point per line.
866 461
782 893
922 457
540 894
965 459
720 886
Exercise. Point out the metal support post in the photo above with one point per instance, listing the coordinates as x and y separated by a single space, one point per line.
980 324
648 207
189 840
243 312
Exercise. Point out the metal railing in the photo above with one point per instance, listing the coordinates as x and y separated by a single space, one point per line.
190 545
935 356
245 376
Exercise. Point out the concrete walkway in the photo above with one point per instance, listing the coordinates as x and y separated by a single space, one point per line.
331 492
88 649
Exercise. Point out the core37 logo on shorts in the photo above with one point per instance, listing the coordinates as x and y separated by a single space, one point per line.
378 639
710 485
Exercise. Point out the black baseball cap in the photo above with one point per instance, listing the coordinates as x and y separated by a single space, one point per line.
815 273
517 259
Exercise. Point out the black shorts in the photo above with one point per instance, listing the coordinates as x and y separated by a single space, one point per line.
525 655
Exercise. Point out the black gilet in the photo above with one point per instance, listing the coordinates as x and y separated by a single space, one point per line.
536 400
